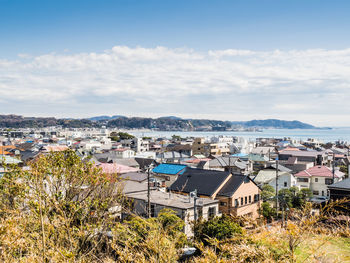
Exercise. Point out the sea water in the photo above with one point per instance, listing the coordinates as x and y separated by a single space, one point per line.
323 135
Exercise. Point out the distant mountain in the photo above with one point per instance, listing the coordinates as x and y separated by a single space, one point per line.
170 123
171 118
105 118
274 123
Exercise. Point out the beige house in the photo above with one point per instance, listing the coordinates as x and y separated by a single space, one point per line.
201 146
237 194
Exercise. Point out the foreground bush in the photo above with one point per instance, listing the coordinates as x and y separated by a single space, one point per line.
219 228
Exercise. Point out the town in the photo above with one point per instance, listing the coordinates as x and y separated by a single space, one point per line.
196 177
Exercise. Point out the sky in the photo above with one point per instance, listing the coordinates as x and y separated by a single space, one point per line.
227 60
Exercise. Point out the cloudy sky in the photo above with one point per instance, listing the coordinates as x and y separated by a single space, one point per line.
229 60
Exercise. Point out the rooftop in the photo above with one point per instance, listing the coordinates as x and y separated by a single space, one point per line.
205 181
168 168
344 184
171 199
319 171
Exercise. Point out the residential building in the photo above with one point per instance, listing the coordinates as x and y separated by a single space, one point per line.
182 205
201 146
167 173
229 163
238 194
339 190
318 178
124 153
268 176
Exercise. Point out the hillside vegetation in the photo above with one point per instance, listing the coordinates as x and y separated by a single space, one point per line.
163 123
60 211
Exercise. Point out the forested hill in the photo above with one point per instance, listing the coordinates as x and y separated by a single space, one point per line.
163 123
274 123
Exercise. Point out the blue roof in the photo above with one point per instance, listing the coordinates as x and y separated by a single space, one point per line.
167 168
239 155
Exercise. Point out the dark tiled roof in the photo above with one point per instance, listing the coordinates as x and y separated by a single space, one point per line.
281 168
205 181
344 184
232 185
144 162
28 155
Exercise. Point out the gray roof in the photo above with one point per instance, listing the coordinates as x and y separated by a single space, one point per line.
128 186
281 168
171 199
205 181
301 153
172 155
344 184
131 162
102 157
233 184
145 162
138 177
226 161
267 175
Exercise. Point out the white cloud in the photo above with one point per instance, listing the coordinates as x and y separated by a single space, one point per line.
308 85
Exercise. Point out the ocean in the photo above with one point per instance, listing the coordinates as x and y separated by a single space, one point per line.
324 135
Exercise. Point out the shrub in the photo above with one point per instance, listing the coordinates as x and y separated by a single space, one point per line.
219 228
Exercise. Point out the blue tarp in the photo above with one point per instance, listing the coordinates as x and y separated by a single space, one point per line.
167 168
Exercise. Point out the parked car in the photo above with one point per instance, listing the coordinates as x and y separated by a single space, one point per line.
319 199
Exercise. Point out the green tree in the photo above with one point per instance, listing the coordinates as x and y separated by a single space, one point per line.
62 206
125 136
176 137
218 227
267 192
267 211
293 197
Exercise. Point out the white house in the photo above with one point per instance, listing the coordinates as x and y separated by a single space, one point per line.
318 178
268 176
124 153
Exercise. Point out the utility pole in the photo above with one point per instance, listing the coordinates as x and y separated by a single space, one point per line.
229 164
333 170
148 194
348 157
277 187
194 195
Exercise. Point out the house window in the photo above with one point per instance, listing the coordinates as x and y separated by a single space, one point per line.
328 181
200 212
152 211
322 193
304 180
236 203
242 203
285 184
211 212
315 192
245 199
223 204
256 198
316 180
250 199
199 149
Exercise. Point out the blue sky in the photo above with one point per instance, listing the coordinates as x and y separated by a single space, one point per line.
232 60
32 26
